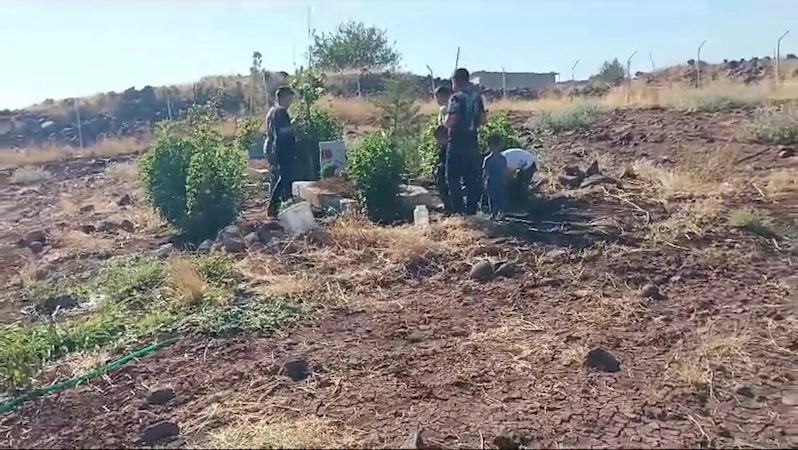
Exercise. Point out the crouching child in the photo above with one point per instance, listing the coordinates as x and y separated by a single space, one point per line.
494 168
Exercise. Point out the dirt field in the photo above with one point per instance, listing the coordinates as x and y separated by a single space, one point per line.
657 308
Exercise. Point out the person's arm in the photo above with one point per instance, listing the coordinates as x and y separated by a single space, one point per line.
283 131
483 115
451 112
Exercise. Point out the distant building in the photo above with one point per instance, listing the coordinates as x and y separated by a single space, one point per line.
514 80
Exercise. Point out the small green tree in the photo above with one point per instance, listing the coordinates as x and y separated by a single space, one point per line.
401 121
375 168
313 124
353 45
611 72
258 97
192 176
500 125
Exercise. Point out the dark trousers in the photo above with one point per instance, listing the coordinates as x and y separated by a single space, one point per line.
443 186
497 196
464 169
282 178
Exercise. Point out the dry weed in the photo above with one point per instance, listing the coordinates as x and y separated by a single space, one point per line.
108 147
691 220
715 352
189 285
277 433
677 183
79 242
781 183
123 172
30 175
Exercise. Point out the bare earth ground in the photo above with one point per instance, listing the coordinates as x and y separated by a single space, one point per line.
401 344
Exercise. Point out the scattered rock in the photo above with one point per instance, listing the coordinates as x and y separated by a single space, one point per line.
127 226
596 180
593 169
509 440
297 370
548 282
35 236
482 271
40 273
744 390
486 249
159 431
36 247
602 360
651 291
570 181
416 337
160 396
414 441
107 225
85 209
505 269
573 171
87 229
52 304
789 398
205 246
786 152
164 250
231 240
251 239
556 253
125 200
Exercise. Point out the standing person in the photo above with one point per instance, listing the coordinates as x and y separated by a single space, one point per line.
464 115
280 145
495 169
442 96
442 138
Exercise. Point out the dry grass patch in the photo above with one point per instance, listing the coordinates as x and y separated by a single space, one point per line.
123 172
189 286
276 433
272 279
678 183
30 175
519 338
107 148
717 353
75 241
777 125
781 183
690 220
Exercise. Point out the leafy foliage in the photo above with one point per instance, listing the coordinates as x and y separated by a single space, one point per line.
499 125
312 124
401 121
353 45
258 96
777 125
429 149
375 168
612 72
192 176
579 117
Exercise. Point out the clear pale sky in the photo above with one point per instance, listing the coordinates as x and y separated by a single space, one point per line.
68 48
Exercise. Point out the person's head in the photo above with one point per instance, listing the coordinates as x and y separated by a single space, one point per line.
494 143
442 94
441 134
460 79
285 95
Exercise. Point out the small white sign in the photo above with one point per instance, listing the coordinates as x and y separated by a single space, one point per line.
332 153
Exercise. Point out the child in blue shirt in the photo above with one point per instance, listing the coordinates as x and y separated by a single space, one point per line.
494 167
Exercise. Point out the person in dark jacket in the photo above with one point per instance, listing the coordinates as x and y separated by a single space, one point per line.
280 148
464 115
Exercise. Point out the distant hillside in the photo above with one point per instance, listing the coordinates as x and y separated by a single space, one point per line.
133 111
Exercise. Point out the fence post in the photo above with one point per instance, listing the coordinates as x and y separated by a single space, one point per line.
629 77
778 57
572 70
698 66
80 127
504 83
431 78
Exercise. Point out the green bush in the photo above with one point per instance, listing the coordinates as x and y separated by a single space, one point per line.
319 126
428 149
500 125
579 117
375 168
192 176
312 124
777 125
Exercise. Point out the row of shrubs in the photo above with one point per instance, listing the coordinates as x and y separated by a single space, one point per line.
195 177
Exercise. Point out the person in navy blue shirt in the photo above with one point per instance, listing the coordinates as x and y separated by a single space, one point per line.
495 167
280 146
464 115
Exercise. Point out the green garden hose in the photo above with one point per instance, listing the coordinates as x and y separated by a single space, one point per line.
16 401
